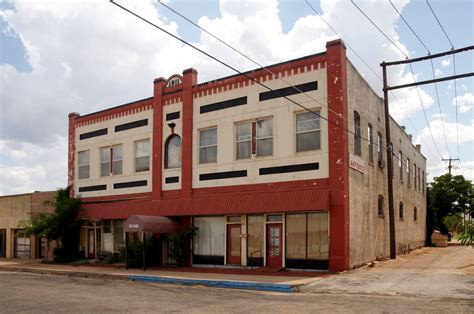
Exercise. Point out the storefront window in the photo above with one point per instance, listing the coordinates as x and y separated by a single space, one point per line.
318 244
296 236
209 239
255 236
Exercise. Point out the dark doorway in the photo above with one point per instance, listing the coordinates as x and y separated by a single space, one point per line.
3 243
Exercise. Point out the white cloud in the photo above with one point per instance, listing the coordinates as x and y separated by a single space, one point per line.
92 55
464 102
438 72
446 62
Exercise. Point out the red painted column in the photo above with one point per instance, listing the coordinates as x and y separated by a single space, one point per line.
71 152
189 80
157 149
338 155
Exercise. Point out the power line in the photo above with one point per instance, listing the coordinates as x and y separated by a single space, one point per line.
370 68
439 23
454 66
234 69
433 72
412 73
401 16
246 56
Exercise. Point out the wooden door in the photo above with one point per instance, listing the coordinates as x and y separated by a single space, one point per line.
90 243
233 244
274 246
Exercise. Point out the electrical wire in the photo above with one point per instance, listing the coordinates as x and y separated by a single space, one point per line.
454 67
335 123
433 72
372 70
412 73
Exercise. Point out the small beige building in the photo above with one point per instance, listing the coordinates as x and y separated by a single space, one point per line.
14 210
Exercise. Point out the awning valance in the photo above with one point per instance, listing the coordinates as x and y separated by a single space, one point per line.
151 224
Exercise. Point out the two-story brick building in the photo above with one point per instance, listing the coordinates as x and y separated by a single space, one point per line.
267 182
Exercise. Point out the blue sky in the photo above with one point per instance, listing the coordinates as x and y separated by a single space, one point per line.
59 57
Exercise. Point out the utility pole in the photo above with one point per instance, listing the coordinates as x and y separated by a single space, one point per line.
391 210
386 88
450 164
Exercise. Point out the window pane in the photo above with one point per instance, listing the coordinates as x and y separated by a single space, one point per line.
84 158
105 169
142 164
308 141
274 218
307 121
255 236
234 219
117 167
209 239
318 244
265 147
207 154
244 132
264 128
174 152
243 150
117 152
84 172
105 154
208 137
142 148
296 236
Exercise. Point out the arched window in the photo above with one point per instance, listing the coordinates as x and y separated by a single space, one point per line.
415 214
380 210
400 211
357 144
173 152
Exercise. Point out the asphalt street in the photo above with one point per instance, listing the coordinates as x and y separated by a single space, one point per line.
37 293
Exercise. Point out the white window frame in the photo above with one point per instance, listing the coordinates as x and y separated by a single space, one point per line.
318 116
136 155
207 146
247 139
112 160
84 165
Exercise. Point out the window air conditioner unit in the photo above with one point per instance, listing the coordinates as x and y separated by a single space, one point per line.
381 164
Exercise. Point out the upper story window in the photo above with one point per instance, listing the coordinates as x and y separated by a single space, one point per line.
111 160
84 164
380 206
423 182
370 135
400 165
400 211
243 140
414 178
308 131
142 155
254 138
419 178
415 214
380 149
408 172
264 136
173 152
357 139
208 145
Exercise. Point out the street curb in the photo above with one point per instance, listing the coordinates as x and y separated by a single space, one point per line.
216 283
245 285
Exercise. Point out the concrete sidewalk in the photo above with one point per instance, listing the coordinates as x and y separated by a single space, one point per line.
285 281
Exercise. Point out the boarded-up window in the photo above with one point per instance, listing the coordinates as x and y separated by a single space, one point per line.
209 239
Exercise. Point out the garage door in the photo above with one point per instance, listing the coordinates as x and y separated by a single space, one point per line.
22 244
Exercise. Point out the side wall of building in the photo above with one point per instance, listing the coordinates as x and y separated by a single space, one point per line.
369 219
13 210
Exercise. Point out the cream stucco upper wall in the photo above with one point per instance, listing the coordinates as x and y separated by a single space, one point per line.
281 111
127 138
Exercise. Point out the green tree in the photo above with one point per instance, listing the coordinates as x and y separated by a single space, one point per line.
450 203
62 225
